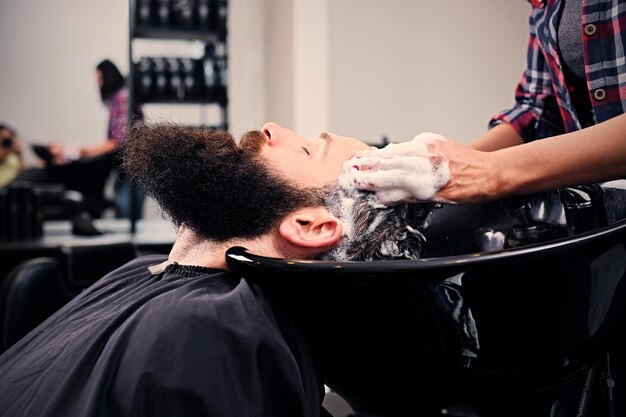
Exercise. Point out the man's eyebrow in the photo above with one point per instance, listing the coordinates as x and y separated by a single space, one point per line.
327 141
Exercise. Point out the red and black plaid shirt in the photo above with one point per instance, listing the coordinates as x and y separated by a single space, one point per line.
543 103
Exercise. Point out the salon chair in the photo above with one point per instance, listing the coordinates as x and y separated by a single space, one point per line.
30 293
472 329
38 287
76 186
89 176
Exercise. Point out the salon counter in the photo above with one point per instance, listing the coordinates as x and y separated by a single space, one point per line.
151 236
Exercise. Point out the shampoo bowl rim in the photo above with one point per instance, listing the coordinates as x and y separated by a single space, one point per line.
241 260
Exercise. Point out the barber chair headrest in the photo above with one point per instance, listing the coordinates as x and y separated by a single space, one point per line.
85 264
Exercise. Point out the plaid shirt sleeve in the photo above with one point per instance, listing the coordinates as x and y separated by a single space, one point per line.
535 113
118 114
544 105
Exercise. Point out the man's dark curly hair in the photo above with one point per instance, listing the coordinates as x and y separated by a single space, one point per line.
209 182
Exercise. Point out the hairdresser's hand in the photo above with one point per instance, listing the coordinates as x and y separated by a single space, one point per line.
428 168
475 176
404 172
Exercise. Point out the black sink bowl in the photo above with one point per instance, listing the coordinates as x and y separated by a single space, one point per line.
500 331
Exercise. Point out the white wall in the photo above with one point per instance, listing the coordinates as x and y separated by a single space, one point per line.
364 68
48 88
312 67
399 67
49 50
278 66
247 71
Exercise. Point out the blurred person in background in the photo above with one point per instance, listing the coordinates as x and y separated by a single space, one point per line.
115 96
11 161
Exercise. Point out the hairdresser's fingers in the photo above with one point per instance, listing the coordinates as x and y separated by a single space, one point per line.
419 143
366 165
393 179
393 197
429 137
437 160
411 164
409 184
400 149
371 162
398 196
375 180
412 189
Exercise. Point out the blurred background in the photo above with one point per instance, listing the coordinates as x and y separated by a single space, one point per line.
368 69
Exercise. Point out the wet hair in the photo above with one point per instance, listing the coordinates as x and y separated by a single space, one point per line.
375 232
209 182
112 79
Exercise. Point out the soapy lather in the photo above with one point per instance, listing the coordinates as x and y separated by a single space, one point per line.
402 172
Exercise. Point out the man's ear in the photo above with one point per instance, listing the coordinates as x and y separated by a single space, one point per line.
311 227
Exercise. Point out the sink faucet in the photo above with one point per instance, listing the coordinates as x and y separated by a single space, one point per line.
519 207
584 207
526 230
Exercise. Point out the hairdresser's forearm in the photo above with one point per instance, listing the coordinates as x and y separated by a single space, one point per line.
500 137
594 154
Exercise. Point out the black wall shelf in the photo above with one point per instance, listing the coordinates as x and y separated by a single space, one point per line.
182 34
179 80
168 80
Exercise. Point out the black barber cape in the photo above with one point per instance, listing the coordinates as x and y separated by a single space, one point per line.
188 341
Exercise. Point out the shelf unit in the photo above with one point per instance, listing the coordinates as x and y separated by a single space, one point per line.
170 80
167 80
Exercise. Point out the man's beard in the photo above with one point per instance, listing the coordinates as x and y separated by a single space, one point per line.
374 232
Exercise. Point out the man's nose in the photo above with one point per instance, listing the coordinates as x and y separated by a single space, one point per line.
271 131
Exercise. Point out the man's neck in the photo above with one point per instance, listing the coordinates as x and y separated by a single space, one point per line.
191 249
